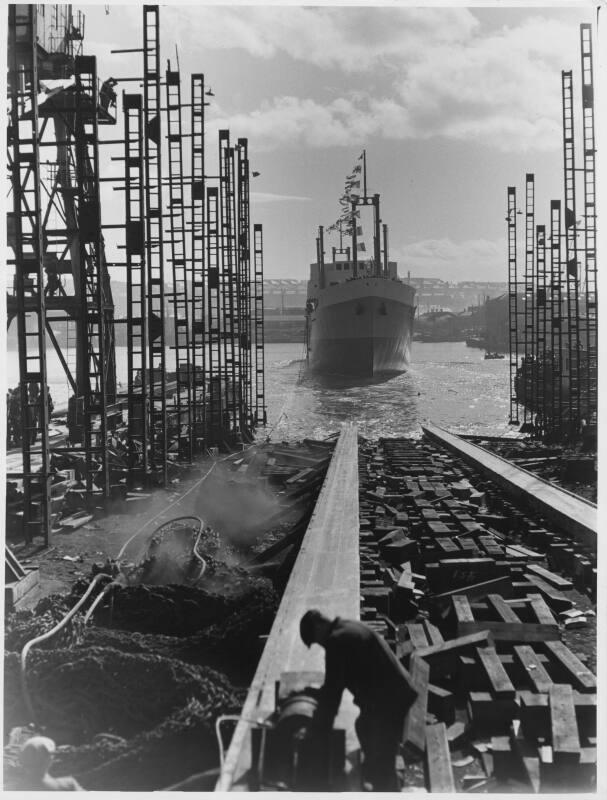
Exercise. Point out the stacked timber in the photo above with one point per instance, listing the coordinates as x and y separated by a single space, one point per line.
469 592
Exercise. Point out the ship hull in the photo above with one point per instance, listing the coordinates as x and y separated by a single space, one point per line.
362 327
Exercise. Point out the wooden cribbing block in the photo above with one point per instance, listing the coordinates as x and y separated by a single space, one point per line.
448 547
439 774
443 657
525 753
377 597
438 528
563 723
503 611
550 577
534 669
414 733
503 761
555 598
535 716
499 681
571 667
490 714
461 607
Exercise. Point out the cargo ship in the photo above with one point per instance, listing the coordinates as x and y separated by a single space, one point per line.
359 314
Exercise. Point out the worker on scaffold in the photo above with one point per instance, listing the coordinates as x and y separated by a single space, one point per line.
107 95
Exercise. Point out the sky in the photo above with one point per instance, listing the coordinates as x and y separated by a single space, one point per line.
452 104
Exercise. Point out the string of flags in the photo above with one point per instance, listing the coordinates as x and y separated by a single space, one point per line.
351 194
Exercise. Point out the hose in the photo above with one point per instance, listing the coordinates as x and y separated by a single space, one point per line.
197 555
48 635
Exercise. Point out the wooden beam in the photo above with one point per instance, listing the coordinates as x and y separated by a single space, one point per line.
534 669
563 723
439 773
414 733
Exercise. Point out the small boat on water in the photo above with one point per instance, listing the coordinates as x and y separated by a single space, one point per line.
494 355
359 314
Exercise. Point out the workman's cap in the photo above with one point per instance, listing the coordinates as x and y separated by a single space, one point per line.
307 625
36 754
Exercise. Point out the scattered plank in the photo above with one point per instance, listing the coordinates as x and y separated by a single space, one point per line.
550 577
414 733
534 669
502 609
439 773
565 737
577 673
443 657
501 685
555 599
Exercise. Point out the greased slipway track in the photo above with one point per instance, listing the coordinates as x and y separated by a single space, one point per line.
488 605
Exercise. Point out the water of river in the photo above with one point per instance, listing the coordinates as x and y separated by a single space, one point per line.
447 383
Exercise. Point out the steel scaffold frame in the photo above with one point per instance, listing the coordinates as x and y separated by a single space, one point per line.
572 336
260 389
529 343
23 140
590 266
199 273
94 285
227 274
137 388
215 411
179 258
556 372
236 394
244 265
512 301
541 326
154 241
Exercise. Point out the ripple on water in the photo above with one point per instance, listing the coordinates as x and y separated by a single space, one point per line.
447 384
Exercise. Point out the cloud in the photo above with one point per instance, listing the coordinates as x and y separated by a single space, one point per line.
268 197
472 259
352 39
294 121
430 73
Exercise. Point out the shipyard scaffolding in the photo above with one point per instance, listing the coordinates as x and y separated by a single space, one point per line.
553 337
122 436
